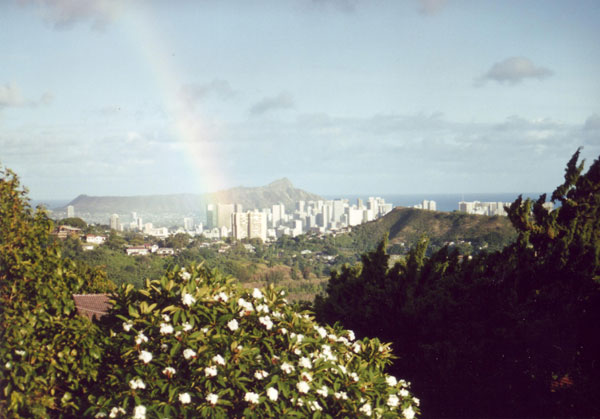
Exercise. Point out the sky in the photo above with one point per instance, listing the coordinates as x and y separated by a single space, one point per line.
139 97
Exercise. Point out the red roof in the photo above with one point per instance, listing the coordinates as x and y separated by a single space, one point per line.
91 305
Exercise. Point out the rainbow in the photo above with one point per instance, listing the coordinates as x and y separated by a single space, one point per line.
188 128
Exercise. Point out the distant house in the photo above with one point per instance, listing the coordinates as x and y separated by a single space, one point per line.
91 238
165 251
92 305
137 251
64 231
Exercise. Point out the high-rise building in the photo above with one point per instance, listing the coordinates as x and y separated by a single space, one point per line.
70 211
257 225
224 212
337 210
278 214
114 222
188 224
211 216
239 225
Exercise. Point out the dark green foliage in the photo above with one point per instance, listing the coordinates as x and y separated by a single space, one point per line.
494 335
49 355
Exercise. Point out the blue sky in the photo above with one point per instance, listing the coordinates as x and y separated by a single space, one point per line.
133 97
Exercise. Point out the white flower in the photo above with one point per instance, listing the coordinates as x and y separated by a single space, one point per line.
139 412
306 376
408 413
302 386
187 327
366 409
391 381
116 411
127 326
403 392
340 395
321 331
185 398
298 337
189 353
251 397
187 299
145 356
272 394
223 297
277 314
210 371
356 347
164 347
100 415
297 351
300 402
393 401
141 338
257 294
185 275
283 331
20 352
305 363
351 335
323 391
287 368
261 374
166 317
314 405
233 325
218 359
416 401
8 365
137 383
354 376
204 330
266 321
169 371
212 398
262 308
245 304
166 329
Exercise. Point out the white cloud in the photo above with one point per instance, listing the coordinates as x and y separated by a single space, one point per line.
283 100
513 70
11 97
64 14
431 7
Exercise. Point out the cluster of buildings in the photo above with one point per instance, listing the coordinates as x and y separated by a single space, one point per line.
427 205
230 220
490 208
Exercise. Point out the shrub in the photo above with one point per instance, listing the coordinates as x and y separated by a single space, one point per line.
195 344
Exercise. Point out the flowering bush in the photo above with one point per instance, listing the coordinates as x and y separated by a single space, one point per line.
195 344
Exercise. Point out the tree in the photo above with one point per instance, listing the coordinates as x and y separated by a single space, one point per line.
510 333
49 355
73 222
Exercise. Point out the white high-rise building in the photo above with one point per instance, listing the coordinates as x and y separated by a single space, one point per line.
224 212
114 222
239 225
188 224
278 214
70 211
257 225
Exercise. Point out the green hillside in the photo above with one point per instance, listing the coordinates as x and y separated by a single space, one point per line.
407 225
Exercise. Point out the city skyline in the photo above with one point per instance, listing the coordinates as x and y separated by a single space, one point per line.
342 97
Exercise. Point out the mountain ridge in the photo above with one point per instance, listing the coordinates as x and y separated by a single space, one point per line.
279 191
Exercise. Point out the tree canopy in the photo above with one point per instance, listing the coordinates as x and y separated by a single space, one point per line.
510 333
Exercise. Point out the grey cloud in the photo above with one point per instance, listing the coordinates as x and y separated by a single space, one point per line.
64 14
431 7
592 123
193 92
283 100
513 70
